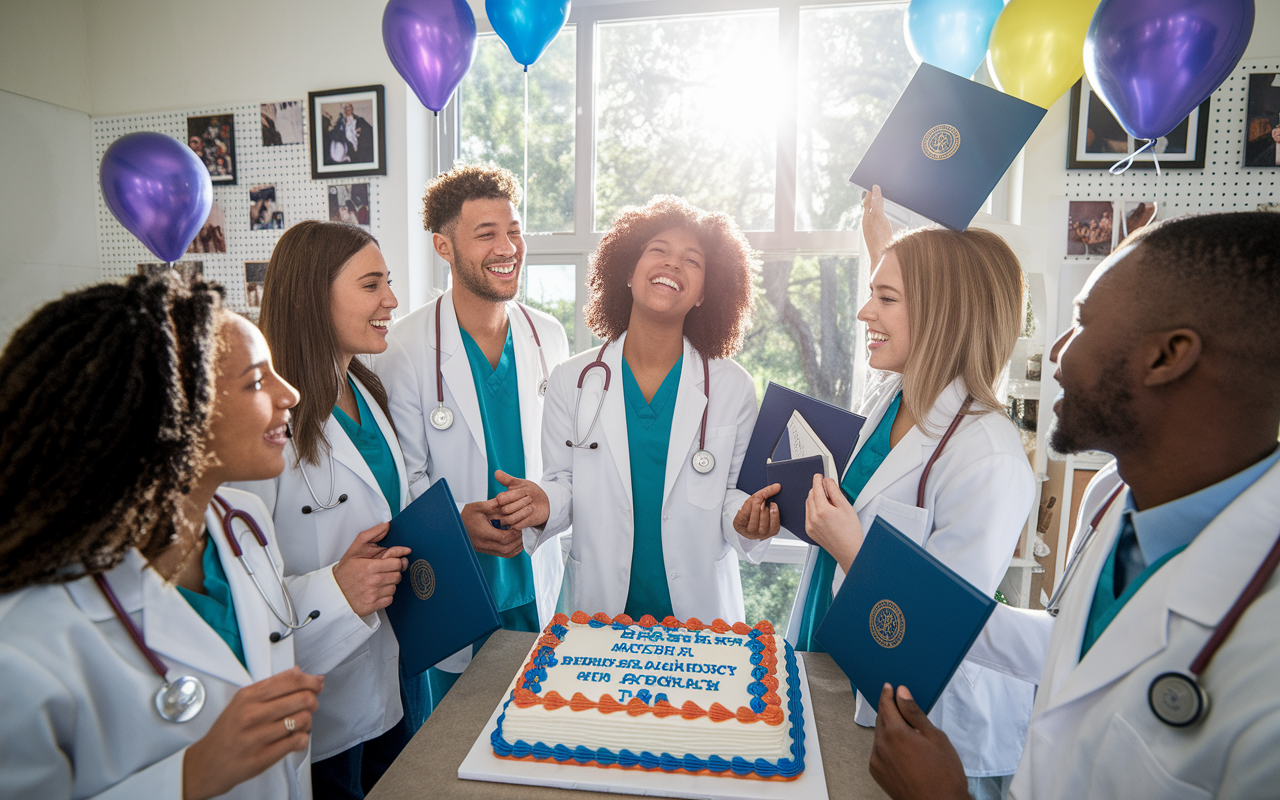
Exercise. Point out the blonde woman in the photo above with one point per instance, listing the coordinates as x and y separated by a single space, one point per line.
944 312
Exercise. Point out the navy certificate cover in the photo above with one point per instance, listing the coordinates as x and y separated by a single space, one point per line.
902 617
836 427
795 475
443 602
945 145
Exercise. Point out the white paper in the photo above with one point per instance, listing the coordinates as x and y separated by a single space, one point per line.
804 443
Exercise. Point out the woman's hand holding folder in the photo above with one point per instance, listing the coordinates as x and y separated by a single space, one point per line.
831 522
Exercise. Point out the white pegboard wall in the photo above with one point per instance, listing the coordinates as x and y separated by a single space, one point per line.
287 166
1223 185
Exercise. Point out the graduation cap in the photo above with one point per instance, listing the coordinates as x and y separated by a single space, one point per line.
945 145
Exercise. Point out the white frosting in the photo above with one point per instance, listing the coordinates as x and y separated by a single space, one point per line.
703 667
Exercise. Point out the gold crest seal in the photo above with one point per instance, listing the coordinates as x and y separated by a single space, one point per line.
887 624
422 579
941 142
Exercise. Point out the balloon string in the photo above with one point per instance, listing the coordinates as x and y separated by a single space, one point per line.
525 198
439 147
1121 166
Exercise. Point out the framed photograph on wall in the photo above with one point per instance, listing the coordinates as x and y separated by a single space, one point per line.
348 132
213 140
1262 129
1097 140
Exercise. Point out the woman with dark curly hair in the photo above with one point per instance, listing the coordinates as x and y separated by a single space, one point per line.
642 440
123 408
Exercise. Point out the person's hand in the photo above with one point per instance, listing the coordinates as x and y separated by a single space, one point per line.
367 574
758 518
264 722
831 522
876 229
523 505
911 758
485 538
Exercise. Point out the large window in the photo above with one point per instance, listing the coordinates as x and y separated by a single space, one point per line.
757 109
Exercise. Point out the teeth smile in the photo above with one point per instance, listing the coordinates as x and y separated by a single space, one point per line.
379 323
874 336
502 269
665 281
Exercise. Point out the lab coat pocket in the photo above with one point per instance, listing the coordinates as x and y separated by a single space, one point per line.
1131 763
911 521
707 491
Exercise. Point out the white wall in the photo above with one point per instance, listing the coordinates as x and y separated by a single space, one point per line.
47 224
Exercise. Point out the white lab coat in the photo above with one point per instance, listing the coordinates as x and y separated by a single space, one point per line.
591 489
358 656
79 716
977 499
457 454
1092 732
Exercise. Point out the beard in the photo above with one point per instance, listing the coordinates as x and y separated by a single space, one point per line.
1099 418
472 277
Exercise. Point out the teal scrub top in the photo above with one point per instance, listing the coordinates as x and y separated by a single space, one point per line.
648 438
216 607
373 447
864 465
510 579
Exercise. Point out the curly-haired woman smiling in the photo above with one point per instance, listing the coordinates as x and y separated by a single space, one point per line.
658 526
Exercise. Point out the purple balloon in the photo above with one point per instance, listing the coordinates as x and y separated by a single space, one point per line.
1153 61
431 44
158 189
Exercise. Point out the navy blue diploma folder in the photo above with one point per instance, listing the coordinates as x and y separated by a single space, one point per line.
443 602
945 145
836 427
796 478
902 617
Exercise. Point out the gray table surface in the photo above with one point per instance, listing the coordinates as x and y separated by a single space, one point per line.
428 766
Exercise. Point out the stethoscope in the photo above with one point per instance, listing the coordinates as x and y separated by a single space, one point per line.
330 502
442 416
1177 698
182 698
702 460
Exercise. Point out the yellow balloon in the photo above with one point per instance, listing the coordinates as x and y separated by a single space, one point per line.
1036 50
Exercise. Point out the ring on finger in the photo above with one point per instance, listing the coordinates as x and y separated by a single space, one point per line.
289 724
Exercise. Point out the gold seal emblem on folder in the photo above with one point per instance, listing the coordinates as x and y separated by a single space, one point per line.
422 579
941 143
887 624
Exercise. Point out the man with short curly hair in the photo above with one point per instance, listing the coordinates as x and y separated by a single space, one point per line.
470 408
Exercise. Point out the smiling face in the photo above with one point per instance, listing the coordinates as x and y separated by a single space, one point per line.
250 408
361 300
669 277
1095 408
486 249
885 314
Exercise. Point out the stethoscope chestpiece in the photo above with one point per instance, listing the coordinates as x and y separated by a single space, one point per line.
703 462
441 418
1177 699
542 388
181 699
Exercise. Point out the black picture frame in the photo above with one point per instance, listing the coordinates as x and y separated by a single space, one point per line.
361 149
212 137
1089 115
1261 120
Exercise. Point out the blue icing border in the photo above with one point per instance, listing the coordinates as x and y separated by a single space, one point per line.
785 767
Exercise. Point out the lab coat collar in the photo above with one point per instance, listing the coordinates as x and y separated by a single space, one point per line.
529 377
613 414
687 419
255 620
455 368
388 433
915 446
345 452
1201 583
126 582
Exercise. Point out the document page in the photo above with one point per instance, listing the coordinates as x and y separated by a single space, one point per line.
801 442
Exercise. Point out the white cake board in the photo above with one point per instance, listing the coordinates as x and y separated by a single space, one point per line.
482 765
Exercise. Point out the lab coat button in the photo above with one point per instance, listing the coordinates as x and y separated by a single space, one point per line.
674 575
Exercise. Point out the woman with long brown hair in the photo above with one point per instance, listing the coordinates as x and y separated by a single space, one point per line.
944 313
326 301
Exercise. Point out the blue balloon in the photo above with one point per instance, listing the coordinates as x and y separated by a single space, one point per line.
527 26
951 34
158 189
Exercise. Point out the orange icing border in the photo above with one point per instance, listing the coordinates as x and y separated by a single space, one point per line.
772 715
750 776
